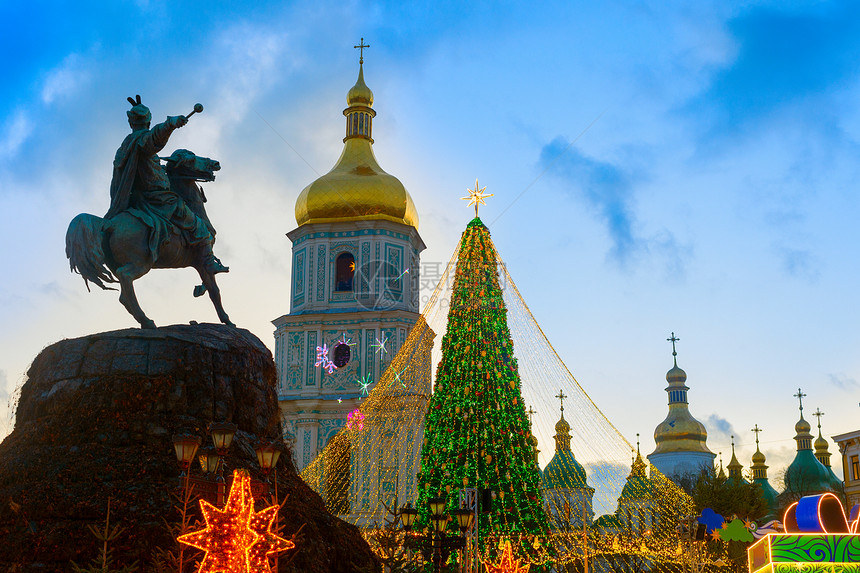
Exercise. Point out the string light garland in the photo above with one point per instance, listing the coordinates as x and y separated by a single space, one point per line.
237 539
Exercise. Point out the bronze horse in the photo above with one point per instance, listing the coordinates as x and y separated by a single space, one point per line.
116 250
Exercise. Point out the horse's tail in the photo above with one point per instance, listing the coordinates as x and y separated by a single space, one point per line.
85 252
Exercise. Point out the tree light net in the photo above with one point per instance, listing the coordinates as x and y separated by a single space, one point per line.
624 517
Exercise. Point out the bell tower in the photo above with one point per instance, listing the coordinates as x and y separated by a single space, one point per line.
354 288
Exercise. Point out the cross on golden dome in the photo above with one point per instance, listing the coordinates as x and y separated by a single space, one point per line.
476 197
800 396
360 47
756 429
673 339
818 413
561 397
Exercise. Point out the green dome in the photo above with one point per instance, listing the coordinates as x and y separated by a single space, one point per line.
564 472
770 497
835 482
607 522
638 485
806 475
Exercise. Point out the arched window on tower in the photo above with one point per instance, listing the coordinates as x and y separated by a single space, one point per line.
344 269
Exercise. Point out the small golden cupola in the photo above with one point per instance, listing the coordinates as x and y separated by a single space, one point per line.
822 451
735 467
356 188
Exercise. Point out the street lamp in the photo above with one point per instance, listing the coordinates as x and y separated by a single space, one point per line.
268 454
186 446
437 506
208 460
464 517
408 514
436 546
222 436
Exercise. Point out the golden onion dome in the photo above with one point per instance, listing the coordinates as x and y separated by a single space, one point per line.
676 375
758 458
802 426
680 432
356 188
562 427
821 445
359 94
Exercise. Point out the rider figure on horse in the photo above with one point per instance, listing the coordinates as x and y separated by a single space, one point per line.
141 188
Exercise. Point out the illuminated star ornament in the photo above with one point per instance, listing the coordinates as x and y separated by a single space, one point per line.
506 562
237 539
476 197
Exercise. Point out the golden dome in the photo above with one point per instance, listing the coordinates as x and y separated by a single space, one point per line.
359 94
758 458
562 427
802 427
821 445
356 188
680 432
676 375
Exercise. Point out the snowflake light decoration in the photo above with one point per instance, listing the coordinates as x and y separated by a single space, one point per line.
345 340
380 345
323 360
399 379
364 383
406 272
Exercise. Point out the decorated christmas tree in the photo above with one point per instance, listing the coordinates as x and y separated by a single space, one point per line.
477 430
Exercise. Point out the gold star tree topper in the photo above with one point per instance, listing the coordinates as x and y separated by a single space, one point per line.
237 539
476 197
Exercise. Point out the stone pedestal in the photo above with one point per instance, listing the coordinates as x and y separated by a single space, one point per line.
94 422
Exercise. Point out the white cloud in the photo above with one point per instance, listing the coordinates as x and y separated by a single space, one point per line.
65 79
15 132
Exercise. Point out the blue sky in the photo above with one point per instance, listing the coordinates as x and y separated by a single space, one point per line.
657 167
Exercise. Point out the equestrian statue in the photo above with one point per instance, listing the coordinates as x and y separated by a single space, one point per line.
156 219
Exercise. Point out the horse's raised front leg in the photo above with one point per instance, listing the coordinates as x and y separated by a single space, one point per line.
126 275
214 294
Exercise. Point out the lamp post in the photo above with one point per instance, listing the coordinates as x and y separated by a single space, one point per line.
211 486
437 545
268 453
185 446
222 436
